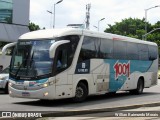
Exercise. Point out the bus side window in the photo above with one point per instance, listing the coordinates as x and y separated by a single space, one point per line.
143 52
132 51
106 49
153 51
90 48
120 51
61 58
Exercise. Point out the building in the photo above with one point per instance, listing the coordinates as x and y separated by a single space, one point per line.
14 21
6 11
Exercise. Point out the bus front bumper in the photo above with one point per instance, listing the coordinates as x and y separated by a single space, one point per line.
44 93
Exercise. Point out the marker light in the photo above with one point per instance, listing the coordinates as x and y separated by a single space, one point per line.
46 93
10 92
10 84
45 85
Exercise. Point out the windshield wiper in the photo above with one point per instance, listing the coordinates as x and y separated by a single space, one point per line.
23 61
31 66
18 70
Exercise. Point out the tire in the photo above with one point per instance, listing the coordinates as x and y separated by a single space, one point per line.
139 89
6 89
111 93
81 92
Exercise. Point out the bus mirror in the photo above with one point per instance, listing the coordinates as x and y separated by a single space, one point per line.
4 49
54 47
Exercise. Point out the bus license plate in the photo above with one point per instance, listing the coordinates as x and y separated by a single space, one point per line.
25 94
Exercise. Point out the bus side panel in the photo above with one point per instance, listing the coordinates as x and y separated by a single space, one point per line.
119 71
124 74
154 72
100 72
141 69
95 72
114 75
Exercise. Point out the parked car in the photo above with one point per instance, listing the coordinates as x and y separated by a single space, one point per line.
158 74
4 78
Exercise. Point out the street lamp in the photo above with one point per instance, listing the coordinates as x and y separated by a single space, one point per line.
95 27
49 12
51 16
146 18
143 36
54 12
99 22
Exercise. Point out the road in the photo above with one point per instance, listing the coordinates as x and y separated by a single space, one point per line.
120 99
144 113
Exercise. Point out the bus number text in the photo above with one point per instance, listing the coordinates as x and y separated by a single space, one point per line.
121 69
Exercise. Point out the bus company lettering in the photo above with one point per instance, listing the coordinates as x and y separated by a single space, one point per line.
121 69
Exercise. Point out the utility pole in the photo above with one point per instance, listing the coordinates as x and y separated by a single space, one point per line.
54 12
88 7
99 22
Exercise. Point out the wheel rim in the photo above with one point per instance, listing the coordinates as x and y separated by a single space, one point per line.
79 92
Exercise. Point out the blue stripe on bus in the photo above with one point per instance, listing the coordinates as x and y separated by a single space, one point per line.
120 70
37 81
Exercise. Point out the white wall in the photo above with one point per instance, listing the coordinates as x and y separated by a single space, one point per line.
5 61
21 12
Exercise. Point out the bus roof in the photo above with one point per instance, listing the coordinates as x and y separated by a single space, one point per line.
52 33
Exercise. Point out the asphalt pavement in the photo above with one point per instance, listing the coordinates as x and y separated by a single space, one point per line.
142 113
97 112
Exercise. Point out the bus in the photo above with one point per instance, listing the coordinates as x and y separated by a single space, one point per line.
76 63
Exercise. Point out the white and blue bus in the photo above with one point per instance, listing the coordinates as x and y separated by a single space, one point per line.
76 63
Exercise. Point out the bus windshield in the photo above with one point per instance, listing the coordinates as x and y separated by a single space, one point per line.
31 59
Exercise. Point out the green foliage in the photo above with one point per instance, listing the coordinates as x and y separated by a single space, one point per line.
135 28
33 27
129 27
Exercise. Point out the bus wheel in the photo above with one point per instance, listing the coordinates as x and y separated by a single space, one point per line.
111 93
140 87
6 89
81 92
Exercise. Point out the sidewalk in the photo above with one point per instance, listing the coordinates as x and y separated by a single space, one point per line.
142 113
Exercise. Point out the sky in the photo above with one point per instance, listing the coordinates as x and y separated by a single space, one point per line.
74 12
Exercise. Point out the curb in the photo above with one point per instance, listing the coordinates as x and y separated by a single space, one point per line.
88 111
98 110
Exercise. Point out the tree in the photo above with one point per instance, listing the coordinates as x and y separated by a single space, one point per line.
129 27
33 27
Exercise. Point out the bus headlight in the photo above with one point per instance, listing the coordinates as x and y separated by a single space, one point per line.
48 84
45 85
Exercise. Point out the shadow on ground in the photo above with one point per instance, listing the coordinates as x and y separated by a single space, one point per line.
96 99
